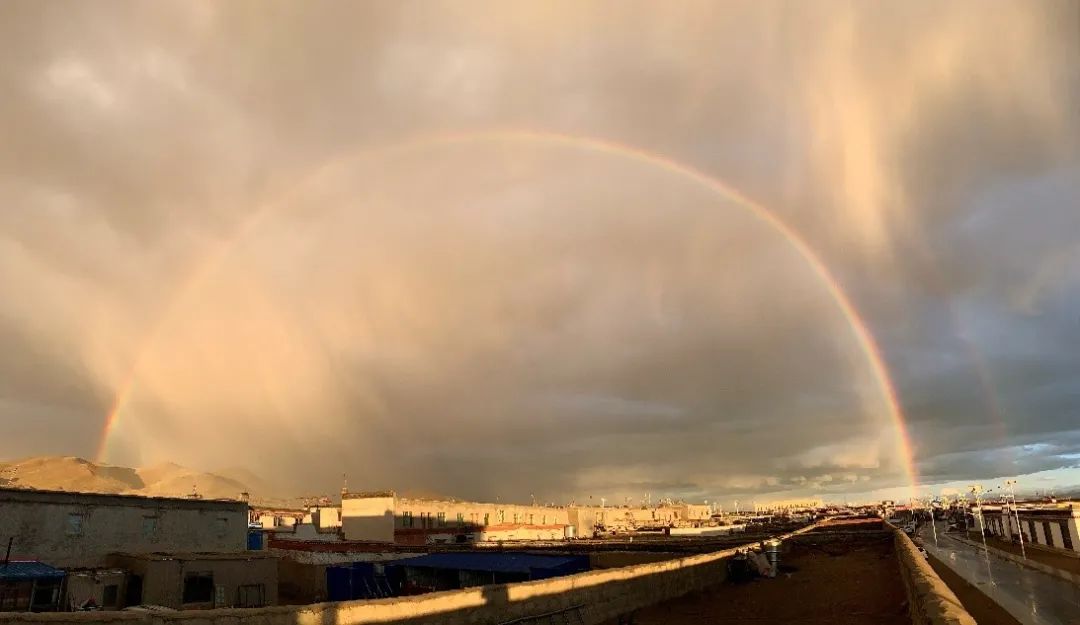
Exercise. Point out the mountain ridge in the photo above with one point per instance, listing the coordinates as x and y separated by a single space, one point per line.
167 479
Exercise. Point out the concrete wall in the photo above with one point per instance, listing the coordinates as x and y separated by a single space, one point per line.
597 596
930 601
80 529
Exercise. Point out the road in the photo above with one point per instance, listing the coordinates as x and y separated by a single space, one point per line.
1032 597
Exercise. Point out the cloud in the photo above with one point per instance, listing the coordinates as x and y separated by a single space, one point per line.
201 217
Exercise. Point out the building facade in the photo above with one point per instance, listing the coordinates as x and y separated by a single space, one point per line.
68 529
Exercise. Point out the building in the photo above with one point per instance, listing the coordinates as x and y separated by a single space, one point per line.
67 529
1055 527
789 505
186 581
382 516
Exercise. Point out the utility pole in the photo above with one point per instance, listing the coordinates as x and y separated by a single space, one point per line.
933 522
976 490
1019 530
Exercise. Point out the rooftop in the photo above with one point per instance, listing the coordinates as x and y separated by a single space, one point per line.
497 562
28 570
64 497
161 556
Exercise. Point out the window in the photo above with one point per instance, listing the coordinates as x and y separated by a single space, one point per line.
1046 532
442 519
406 519
487 518
1066 537
109 595
502 516
530 519
149 526
460 519
1031 530
198 588
251 596
74 525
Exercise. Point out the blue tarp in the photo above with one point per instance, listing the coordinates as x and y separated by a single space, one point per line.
359 580
15 571
526 563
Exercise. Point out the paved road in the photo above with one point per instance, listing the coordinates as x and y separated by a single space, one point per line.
1032 597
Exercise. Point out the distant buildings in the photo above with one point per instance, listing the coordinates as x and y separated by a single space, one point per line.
788 505
382 516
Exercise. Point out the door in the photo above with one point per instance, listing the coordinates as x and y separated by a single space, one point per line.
133 595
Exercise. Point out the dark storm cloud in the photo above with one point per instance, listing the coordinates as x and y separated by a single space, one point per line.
508 318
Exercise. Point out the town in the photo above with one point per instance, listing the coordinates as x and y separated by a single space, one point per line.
365 555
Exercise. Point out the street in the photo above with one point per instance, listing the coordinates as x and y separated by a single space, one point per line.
1030 596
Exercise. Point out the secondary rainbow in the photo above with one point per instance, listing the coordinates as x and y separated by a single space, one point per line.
859 329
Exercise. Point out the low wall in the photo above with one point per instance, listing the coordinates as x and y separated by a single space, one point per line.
930 600
597 596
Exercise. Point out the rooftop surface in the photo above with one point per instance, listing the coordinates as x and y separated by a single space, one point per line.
64 497
160 556
848 575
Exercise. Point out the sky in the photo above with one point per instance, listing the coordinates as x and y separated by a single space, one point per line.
558 249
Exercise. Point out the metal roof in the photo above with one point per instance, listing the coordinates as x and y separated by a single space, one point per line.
14 571
497 562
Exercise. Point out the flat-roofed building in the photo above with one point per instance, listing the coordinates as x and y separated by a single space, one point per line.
68 529
382 516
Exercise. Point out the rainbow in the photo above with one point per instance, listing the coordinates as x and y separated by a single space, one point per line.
859 329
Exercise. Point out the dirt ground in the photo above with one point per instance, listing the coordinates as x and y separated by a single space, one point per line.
981 608
1058 560
853 580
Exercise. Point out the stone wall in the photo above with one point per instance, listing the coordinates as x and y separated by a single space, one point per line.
930 600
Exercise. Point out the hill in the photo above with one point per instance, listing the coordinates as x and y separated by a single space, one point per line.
71 473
